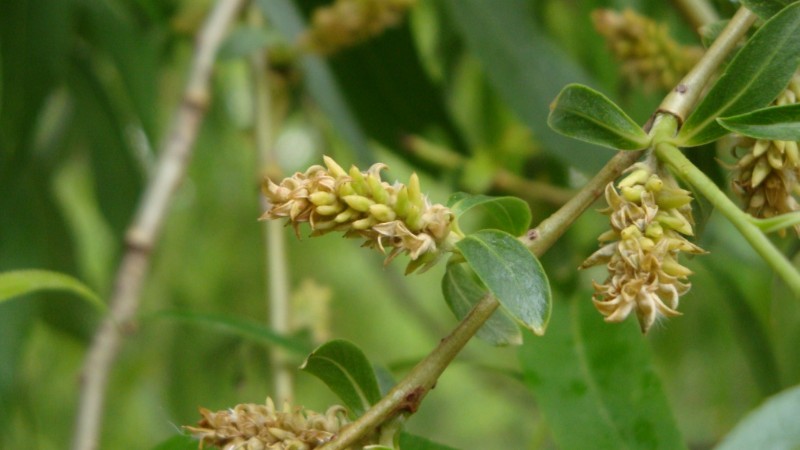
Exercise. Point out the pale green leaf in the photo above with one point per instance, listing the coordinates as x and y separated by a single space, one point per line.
346 371
512 274
21 282
462 290
773 425
582 113
766 8
509 214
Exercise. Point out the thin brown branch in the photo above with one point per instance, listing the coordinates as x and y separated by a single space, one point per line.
146 226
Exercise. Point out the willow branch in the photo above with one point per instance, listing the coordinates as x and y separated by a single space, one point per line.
682 99
697 12
408 394
144 230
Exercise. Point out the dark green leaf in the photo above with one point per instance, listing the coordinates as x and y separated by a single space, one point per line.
766 8
412 442
777 123
347 372
178 442
758 73
582 113
238 327
21 282
509 214
512 274
595 383
462 291
527 73
773 425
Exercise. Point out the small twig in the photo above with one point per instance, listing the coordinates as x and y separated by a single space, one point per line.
144 230
697 12
682 99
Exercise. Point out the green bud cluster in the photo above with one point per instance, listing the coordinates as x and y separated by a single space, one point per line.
346 23
645 49
359 204
650 216
767 174
262 427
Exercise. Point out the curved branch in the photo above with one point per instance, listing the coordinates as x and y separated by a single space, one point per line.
146 226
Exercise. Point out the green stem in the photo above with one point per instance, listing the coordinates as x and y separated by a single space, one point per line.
408 394
672 156
541 238
682 99
698 12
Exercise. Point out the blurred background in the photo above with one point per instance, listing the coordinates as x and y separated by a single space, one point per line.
456 90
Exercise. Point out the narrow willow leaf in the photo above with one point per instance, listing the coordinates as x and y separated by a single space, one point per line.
509 214
346 371
512 274
595 383
412 442
462 290
766 8
21 282
247 329
582 113
773 425
777 123
758 73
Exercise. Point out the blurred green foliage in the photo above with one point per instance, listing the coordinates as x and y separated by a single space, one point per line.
87 89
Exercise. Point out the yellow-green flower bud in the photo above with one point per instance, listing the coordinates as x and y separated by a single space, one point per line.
358 202
333 167
633 193
330 210
321 198
346 215
414 193
401 202
363 224
379 193
638 176
358 182
382 213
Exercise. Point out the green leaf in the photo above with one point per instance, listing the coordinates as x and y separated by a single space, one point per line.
582 113
512 274
773 425
777 123
247 329
462 291
758 73
527 73
595 383
766 8
178 442
412 442
509 214
777 223
21 282
347 372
